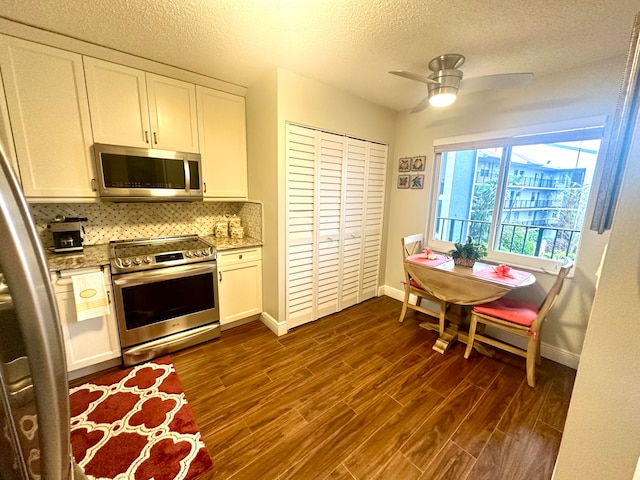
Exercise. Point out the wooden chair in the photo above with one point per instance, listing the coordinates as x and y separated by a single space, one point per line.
412 245
521 318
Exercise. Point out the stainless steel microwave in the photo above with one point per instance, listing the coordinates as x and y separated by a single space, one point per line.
128 174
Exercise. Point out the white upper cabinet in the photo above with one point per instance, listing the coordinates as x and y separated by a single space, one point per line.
118 104
223 143
172 110
48 109
6 139
133 108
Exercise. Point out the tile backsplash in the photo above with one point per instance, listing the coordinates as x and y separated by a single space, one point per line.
117 221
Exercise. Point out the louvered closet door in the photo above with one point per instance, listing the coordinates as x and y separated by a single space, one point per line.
334 208
353 218
373 217
301 153
328 226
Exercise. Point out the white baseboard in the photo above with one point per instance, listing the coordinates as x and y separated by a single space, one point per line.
237 323
91 369
551 352
395 293
279 328
398 294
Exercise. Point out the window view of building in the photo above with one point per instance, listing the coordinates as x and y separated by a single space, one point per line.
525 199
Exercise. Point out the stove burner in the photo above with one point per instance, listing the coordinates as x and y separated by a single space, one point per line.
149 253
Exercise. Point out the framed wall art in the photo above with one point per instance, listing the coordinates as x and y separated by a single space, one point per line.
417 181
403 181
405 164
418 163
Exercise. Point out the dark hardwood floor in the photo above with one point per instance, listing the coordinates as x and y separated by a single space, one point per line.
357 395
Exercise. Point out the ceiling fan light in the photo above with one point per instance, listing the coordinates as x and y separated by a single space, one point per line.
445 91
442 99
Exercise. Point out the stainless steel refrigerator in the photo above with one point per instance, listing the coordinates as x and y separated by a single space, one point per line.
34 403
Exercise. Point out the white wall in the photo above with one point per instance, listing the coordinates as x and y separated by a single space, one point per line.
309 102
262 167
602 434
585 92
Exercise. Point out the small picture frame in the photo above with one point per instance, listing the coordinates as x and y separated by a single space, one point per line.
418 163
405 164
417 181
403 181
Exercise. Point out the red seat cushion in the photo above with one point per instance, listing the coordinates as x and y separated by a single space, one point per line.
515 311
414 284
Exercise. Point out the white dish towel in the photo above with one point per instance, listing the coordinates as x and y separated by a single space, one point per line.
90 295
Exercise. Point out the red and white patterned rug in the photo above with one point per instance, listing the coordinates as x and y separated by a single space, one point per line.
137 424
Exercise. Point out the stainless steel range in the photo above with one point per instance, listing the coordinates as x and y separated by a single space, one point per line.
165 295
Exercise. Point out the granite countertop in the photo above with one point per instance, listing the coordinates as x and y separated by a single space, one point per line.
98 255
227 243
91 256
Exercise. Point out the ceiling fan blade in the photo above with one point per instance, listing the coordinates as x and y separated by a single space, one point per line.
493 82
413 76
421 106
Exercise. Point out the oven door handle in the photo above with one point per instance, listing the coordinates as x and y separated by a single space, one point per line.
161 274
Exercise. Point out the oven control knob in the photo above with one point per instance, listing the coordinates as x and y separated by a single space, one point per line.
137 261
196 253
189 254
206 253
146 259
126 262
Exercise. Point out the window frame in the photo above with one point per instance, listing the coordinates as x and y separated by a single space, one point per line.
585 129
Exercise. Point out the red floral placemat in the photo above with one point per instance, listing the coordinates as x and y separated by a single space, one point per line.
430 262
514 277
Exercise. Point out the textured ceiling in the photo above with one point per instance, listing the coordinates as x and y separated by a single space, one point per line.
349 44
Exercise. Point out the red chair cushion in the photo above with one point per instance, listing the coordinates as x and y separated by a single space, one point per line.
414 284
515 311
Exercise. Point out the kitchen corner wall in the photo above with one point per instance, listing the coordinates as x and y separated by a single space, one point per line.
117 221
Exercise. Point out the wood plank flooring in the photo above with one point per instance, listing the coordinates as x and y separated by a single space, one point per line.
357 395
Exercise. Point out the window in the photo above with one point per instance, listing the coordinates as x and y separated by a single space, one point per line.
533 207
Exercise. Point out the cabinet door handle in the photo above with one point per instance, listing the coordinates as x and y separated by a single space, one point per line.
146 136
155 137
94 185
109 298
220 276
239 257
204 185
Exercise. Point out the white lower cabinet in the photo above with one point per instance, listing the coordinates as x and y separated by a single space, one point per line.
90 341
239 284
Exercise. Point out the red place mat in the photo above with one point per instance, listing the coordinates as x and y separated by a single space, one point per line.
420 258
517 276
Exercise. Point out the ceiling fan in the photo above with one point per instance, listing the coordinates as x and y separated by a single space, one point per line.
446 79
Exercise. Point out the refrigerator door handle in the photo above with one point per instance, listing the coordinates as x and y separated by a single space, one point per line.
22 263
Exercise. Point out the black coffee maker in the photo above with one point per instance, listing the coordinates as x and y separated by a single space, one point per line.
67 233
